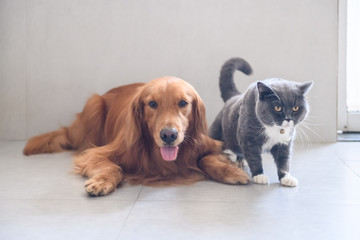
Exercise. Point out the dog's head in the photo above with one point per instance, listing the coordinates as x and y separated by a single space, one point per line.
169 111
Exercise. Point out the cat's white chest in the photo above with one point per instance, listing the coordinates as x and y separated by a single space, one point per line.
278 135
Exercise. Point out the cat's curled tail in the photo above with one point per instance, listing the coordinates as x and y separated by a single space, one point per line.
227 85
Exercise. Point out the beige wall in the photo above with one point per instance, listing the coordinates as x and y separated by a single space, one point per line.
54 54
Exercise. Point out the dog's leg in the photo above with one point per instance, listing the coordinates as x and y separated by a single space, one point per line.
104 175
220 169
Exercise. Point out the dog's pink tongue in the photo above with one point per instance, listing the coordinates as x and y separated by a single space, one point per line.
169 153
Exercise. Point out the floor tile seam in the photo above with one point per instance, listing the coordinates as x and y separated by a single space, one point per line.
195 201
134 201
68 200
254 202
345 162
131 210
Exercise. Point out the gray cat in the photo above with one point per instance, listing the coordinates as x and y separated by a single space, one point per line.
263 118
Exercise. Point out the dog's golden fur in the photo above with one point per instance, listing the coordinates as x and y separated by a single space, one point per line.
117 137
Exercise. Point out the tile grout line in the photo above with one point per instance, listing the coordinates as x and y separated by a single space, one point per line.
172 201
348 167
132 207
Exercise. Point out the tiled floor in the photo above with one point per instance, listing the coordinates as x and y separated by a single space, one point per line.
41 199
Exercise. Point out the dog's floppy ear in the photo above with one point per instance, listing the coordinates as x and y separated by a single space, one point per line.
199 116
134 121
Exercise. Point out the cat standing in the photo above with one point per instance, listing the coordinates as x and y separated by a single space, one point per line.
263 118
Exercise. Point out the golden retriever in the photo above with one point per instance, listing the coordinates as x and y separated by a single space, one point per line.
152 134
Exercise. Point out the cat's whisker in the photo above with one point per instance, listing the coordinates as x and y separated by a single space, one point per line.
307 125
306 130
309 122
309 129
305 139
299 135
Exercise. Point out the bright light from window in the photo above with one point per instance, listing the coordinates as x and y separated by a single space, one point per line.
353 55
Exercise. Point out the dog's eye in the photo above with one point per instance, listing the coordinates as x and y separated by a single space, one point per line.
182 103
153 104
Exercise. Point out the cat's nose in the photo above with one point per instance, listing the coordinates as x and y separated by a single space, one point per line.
287 122
288 117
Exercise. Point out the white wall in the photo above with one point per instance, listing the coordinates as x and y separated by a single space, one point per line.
54 54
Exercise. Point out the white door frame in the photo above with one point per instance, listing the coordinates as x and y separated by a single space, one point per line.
342 22
347 121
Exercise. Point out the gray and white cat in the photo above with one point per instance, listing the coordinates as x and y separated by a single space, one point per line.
263 118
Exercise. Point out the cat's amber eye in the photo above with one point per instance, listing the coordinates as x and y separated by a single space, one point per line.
278 108
295 109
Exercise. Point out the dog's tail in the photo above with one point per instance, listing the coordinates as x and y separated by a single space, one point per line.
86 131
227 85
55 141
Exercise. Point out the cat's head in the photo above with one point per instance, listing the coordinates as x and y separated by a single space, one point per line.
281 102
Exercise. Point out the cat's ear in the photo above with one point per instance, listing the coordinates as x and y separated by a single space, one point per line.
305 87
265 91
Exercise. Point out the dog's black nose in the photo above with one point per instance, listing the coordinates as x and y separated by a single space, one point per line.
168 135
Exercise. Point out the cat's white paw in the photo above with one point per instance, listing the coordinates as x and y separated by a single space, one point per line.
261 179
289 181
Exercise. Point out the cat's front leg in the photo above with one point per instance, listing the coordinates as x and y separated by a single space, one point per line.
254 160
281 154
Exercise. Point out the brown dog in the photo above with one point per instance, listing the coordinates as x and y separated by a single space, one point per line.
153 134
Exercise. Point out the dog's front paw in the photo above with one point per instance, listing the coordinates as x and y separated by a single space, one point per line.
98 187
238 176
261 179
289 181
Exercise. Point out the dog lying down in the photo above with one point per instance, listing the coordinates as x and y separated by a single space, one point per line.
151 134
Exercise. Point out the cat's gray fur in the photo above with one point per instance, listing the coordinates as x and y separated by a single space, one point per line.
248 124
